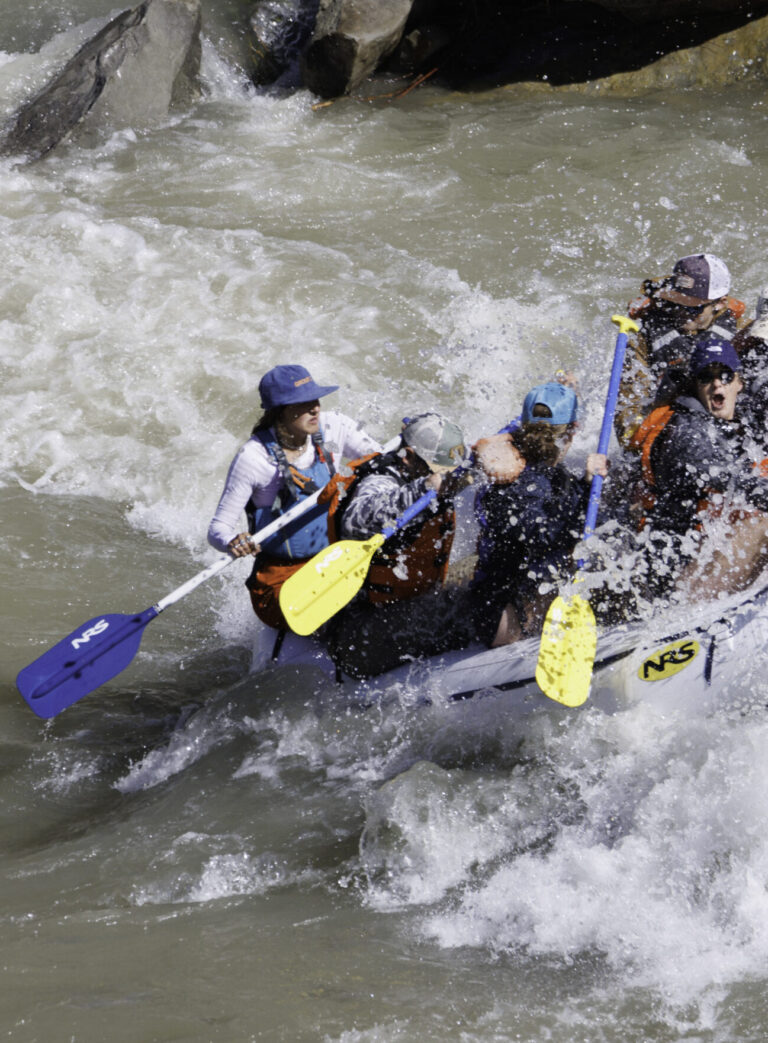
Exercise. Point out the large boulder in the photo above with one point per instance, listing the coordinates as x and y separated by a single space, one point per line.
351 38
471 44
140 64
563 42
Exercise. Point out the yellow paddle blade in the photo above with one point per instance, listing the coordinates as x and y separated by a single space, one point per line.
319 589
567 651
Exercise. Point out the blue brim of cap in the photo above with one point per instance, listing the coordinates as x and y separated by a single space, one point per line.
306 394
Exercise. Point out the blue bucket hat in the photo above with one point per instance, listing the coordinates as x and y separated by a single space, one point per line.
286 385
714 349
558 398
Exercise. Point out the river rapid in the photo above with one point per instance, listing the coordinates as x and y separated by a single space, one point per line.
197 852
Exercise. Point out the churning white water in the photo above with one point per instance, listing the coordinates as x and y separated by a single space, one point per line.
196 853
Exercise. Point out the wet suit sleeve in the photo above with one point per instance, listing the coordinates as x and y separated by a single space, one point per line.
377 502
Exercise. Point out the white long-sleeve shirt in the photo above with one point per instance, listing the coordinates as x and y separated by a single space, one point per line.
254 476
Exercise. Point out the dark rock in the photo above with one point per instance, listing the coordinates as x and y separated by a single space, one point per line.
44 120
279 33
646 11
420 48
161 69
351 38
561 42
155 48
733 57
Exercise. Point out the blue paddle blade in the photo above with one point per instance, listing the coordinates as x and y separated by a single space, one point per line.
89 657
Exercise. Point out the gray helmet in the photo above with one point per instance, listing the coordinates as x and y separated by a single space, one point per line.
438 442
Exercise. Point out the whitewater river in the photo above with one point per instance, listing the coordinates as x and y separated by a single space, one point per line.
196 852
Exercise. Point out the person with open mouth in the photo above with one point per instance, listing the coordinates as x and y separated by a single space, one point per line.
705 480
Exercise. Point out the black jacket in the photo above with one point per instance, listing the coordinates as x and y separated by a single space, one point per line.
699 458
527 529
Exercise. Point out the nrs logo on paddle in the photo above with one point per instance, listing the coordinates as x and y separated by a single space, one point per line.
94 631
333 554
669 660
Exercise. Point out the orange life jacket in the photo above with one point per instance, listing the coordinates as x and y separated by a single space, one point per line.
647 433
407 564
644 495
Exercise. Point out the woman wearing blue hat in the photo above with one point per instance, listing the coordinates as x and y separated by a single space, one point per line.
293 451
531 520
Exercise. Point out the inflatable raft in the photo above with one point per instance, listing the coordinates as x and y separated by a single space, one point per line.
672 662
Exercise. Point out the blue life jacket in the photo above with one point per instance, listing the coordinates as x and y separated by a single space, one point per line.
307 534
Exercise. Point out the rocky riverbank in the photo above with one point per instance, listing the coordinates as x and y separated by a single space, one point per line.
147 58
332 46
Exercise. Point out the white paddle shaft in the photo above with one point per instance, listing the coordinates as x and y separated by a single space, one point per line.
258 537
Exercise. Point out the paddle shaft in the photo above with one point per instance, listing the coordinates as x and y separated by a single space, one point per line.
611 398
409 513
258 537
416 507
329 581
226 559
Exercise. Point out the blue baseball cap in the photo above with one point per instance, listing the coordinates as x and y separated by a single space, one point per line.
714 349
285 385
559 399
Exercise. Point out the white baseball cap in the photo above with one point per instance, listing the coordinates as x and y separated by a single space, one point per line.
698 279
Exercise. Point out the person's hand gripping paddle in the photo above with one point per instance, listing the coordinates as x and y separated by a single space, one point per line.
569 636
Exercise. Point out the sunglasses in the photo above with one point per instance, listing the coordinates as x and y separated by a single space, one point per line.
694 309
715 372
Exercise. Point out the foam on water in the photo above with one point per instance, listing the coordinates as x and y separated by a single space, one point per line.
191 740
218 876
61 771
639 838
